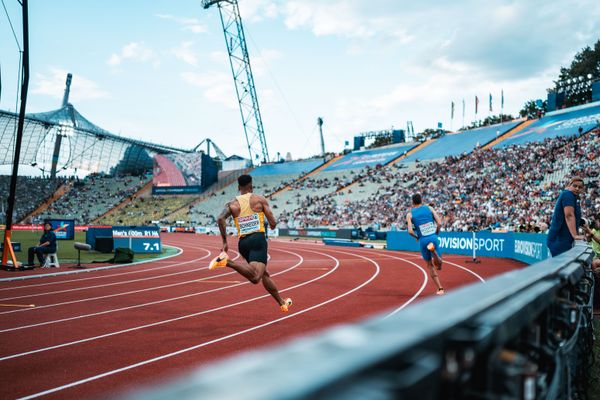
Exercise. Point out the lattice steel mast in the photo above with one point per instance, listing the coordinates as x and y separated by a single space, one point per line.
242 76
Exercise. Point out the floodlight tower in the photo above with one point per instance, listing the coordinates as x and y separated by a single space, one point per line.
320 123
242 76
59 133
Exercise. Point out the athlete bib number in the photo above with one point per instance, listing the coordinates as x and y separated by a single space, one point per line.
249 224
427 229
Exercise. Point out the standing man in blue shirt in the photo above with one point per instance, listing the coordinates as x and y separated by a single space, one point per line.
427 225
566 218
47 245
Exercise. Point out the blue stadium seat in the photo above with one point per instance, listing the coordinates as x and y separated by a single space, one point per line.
461 142
287 168
370 158
559 123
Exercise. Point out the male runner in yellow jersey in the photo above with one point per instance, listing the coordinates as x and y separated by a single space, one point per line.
249 211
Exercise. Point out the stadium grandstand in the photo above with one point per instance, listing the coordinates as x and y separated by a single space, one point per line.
139 277
95 170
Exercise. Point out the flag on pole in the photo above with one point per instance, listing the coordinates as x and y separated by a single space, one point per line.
463 108
502 99
476 104
491 108
452 111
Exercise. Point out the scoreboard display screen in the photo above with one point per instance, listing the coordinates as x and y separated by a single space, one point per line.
176 173
140 239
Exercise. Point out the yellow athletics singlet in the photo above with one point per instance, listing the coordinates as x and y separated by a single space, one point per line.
248 221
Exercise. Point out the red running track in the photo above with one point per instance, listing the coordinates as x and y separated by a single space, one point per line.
103 332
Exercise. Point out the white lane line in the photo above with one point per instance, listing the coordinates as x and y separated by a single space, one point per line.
122 293
88 270
118 283
139 271
445 262
301 260
417 293
81 316
188 349
466 269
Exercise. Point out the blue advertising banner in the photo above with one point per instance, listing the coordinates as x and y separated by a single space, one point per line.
15 245
64 229
526 247
530 247
371 158
140 239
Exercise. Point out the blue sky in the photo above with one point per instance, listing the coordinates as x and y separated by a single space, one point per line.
158 70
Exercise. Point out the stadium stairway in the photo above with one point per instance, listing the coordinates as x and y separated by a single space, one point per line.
509 133
58 193
144 189
308 175
392 162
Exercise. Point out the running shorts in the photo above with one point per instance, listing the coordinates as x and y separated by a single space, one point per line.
424 241
253 247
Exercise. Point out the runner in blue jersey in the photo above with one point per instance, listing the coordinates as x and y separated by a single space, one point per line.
424 225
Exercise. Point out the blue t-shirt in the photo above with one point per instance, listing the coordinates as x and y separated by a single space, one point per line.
49 237
422 219
559 231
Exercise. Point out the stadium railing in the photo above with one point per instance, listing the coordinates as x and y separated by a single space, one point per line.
524 334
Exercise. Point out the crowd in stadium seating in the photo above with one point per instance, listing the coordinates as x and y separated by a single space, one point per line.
145 210
509 188
31 191
92 197
512 188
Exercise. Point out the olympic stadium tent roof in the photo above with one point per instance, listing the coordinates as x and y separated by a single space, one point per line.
85 146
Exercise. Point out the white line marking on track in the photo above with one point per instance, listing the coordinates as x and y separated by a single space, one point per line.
149 278
301 259
466 269
81 271
188 349
171 263
144 304
122 293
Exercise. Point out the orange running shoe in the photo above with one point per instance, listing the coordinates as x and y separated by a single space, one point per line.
440 292
219 261
285 307
431 247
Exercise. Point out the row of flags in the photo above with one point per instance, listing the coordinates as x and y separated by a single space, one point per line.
491 107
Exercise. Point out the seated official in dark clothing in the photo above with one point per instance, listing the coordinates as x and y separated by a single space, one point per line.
47 245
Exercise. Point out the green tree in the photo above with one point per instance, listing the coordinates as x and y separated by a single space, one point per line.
381 141
533 108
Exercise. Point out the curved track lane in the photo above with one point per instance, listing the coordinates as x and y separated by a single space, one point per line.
116 328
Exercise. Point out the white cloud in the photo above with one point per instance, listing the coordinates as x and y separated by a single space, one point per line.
187 24
261 62
323 19
185 53
218 87
54 85
259 10
134 51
